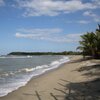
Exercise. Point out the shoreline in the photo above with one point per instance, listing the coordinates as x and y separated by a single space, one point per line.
41 83
44 68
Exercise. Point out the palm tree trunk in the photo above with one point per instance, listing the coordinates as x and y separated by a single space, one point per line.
93 52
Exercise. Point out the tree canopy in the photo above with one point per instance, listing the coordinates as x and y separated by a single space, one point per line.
90 43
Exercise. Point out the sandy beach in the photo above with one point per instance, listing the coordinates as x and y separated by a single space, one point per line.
52 83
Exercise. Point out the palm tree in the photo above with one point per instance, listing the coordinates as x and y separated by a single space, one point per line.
90 44
97 33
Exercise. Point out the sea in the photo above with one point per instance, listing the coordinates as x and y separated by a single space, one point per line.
16 71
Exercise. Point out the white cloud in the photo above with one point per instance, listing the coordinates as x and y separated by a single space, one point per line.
96 2
53 7
83 22
1 2
95 17
19 35
79 22
89 13
53 35
46 30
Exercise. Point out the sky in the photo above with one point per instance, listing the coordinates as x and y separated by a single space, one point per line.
46 25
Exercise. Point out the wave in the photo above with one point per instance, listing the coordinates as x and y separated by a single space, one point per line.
42 68
51 65
3 57
27 70
31 72
4 75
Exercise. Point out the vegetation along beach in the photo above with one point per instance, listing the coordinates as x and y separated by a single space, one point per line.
49 49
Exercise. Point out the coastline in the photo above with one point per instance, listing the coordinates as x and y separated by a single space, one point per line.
44 84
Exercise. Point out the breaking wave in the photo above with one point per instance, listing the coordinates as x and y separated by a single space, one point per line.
29 73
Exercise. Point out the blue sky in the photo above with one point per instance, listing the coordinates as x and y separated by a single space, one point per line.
45 25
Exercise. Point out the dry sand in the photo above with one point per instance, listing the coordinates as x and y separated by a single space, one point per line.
50 82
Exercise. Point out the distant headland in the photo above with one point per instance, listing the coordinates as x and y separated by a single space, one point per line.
44 53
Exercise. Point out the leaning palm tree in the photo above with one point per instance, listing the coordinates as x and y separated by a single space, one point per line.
90 44
97 33
87 44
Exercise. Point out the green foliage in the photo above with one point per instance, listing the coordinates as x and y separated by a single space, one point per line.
90 43
44 53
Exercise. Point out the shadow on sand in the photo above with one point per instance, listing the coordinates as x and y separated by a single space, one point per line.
87 90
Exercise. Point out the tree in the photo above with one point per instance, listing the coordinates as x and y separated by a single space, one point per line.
90 43
97 33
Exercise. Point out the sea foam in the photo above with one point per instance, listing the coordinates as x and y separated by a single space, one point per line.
31 72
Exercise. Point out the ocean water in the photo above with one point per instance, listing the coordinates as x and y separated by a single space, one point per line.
16 71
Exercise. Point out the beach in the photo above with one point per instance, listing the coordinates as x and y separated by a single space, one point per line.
51 83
